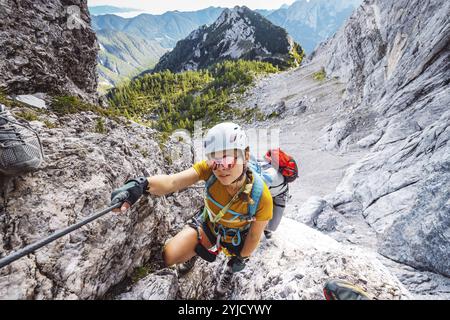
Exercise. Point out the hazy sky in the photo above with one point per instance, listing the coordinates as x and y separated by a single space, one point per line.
161 6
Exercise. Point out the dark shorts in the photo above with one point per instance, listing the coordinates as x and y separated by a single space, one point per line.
198 220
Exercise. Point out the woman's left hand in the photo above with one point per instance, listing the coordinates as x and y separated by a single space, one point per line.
237 263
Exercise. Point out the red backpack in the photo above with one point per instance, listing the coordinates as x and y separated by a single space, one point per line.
285 164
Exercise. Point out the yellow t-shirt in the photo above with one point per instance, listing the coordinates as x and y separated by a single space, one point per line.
220 194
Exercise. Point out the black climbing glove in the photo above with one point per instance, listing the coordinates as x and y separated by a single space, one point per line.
237 263
130 192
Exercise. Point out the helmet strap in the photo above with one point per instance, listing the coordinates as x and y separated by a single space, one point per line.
242 174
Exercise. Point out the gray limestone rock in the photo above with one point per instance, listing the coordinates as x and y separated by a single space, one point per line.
161 285
81 169
395 60
32 101
47 46
295 264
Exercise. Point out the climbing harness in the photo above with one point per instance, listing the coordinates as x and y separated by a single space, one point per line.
220 233
203 252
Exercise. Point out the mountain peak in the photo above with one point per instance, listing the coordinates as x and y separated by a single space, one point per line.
238 33
231 15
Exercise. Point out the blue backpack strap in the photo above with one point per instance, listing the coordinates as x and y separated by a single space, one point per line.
210 181
253 163
212 178
235 214
261 169
208 185
257 190
256 194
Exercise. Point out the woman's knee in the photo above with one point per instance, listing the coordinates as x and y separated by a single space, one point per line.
180 248
168 254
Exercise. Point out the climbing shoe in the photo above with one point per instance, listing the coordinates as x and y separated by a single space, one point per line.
20 146
184 268
225 282
343 290
268 234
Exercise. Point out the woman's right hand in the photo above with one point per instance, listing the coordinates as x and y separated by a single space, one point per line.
129 193
125 206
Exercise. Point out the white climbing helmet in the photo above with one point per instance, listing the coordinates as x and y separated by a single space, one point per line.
225 136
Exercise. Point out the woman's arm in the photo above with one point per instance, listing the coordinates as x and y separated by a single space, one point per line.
253 237
164 184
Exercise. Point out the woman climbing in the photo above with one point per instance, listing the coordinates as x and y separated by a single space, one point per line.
237 205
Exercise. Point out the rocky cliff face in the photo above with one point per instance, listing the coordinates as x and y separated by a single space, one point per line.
392 123
81 169
47 46
394 58
239 33
293 265
372 144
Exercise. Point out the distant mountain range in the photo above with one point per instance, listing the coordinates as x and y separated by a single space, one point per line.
100 10
309 23
239 33
145 37
124 56
167 28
